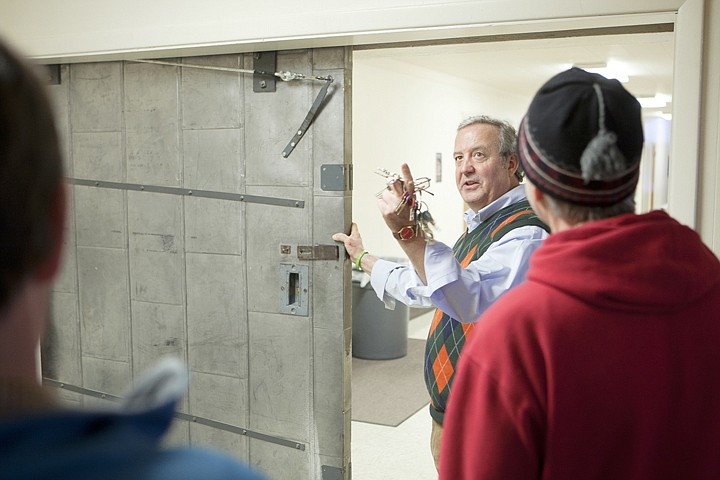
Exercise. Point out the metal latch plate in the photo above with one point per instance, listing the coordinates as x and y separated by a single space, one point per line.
294 289
318 252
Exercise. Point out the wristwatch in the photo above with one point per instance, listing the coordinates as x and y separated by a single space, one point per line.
405 233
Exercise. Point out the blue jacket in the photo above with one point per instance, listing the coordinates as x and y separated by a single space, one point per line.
118 444
106 445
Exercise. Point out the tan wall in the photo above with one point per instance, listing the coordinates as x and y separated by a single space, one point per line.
709 196
83 28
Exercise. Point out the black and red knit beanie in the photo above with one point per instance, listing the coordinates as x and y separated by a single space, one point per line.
581 139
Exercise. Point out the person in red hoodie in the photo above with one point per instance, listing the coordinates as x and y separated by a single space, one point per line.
605 363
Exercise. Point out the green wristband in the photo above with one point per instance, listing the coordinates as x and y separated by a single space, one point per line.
357 260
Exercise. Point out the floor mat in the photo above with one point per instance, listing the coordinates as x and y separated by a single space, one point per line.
387 392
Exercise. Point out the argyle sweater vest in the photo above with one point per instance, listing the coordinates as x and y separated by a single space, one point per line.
447 335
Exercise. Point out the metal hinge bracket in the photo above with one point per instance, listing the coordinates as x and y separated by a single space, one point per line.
335 177
332 473
264 79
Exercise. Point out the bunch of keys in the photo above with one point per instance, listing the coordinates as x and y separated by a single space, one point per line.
424 220
419 214
407 198
421 183
391 179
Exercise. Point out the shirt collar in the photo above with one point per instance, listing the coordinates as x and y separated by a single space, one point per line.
473 219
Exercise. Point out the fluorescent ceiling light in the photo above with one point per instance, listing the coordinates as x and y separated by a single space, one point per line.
658 101
612 70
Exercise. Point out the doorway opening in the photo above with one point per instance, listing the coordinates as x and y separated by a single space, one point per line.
407 102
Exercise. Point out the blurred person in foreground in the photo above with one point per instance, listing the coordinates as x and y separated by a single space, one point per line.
605 363
39 438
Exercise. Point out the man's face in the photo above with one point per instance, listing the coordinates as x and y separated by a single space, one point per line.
480 175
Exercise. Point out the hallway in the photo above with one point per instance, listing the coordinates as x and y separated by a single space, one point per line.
397 453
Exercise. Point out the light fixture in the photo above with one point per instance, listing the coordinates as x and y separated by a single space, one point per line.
660 100
611 70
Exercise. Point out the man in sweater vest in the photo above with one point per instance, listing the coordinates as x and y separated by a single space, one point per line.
489 258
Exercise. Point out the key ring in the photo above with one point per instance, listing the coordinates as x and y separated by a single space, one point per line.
419 214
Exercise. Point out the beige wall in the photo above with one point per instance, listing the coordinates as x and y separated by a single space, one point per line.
709 192
694 177
87 28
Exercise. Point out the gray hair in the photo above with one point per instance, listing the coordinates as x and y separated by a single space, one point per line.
576 214
507 138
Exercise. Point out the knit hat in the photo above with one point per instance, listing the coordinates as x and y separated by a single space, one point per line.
581 139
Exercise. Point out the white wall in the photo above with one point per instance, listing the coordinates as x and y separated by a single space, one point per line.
69 30
709 199
652 187
402 113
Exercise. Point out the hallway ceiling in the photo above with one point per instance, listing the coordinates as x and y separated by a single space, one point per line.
520 67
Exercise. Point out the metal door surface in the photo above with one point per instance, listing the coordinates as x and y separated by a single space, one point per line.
191 234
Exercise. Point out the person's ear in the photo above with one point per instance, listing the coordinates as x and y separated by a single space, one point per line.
537 195
538 200
513 164
51 266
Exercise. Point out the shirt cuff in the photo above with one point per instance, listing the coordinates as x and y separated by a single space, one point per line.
378 279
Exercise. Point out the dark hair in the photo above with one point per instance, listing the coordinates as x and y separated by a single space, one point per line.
30 173
507 138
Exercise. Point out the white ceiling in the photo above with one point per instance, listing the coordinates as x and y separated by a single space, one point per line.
522 66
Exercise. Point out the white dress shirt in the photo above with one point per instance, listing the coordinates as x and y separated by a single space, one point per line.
462 293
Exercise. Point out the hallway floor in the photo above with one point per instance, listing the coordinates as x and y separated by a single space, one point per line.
396 453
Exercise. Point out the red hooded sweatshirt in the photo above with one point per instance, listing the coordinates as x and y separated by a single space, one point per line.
604 364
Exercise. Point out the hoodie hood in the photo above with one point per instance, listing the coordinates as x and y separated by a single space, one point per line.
644 263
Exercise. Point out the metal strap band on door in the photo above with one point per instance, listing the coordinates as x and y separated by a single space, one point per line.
284 76
235 197
308 119
190 418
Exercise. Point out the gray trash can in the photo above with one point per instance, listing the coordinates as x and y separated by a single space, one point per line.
377 333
